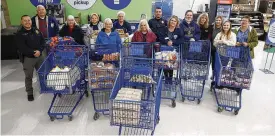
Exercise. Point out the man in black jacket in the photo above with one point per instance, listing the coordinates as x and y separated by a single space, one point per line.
157 24
30 43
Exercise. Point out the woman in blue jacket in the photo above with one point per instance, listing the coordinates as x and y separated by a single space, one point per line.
191 31
107 36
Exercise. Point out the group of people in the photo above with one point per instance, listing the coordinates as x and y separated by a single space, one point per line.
30 39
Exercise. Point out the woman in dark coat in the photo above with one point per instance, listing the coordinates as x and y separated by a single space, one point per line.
73 30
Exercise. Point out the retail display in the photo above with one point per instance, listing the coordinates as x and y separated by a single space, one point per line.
168 59
60 78
142 79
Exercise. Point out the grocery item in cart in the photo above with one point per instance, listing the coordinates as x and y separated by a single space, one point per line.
60 78
127 112
191 70
111 57
167 58
142 79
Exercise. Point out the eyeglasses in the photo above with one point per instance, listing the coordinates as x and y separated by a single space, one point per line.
244 20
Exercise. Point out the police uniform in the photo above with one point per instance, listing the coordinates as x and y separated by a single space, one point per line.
158 27
27 41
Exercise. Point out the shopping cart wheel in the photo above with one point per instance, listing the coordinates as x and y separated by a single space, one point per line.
236 112
199 101
52 118
220 109
70 117
174 103
96 116
183 99
158 119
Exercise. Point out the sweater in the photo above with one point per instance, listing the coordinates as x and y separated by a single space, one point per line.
77 33
126 27
113 38
229 42
252 39
138 37
191 30
177 37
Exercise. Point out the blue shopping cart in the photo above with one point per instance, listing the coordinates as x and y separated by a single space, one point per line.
103 70
137 49
233 72
63 74
167 58
140 113
194 69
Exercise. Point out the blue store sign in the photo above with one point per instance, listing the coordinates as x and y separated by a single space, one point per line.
116 4
44 2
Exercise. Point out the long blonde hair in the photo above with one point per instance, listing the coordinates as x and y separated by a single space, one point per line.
206 24
229 31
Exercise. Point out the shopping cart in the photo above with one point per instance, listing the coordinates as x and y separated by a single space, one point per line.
137 49
233 72
103 70
194 69
63 74
168 59
57 41
140 110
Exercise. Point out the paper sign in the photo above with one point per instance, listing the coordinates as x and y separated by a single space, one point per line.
270 39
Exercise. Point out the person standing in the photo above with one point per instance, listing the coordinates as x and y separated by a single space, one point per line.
247 35
121 23
30 43
226 36
214 30
94 28
203 22
191 31
157 24
47 25
72 29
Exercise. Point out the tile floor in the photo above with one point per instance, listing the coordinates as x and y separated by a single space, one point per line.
257 116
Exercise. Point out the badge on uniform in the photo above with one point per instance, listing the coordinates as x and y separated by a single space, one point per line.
162 22
37 32
52 25
175 36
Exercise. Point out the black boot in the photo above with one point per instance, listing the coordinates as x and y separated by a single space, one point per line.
30 97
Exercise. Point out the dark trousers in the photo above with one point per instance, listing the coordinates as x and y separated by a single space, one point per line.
28 66
213 53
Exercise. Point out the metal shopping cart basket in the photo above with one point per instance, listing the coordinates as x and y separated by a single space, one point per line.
137 50
168 59
194 69
63 74
135 98
233 72
53 42
103 70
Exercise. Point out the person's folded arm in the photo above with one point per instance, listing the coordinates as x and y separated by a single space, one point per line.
22 47
232 41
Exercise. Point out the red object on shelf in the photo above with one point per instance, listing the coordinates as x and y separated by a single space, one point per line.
225 1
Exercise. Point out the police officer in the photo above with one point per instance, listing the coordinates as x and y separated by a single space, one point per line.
157 24
30 43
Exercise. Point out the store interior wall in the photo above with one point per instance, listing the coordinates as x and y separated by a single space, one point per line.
181 6
17 8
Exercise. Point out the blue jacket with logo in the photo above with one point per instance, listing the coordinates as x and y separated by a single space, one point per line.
191 30
177 37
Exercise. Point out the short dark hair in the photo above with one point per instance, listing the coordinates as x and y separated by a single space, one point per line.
246 17
188 11
24 16
158 8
